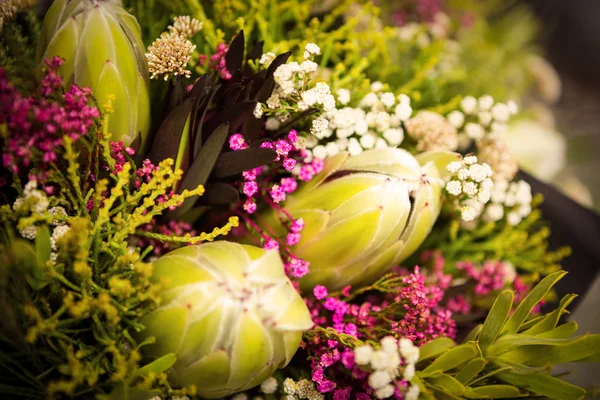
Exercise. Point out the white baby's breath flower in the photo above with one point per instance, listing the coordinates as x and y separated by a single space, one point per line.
354 147
468 213
469 105
343 96
272 124
388 99
485 102
266 59
240 396
376 86
258 110
269 386
454 188
409 372
384 392
501 112
319 126
389 344
394 136
474 131
403 111
379 379
310 50
363 354
320 152
412 393
456 118
485 117
367 141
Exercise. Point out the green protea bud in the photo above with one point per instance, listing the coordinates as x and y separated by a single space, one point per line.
229 313
103 50
365 213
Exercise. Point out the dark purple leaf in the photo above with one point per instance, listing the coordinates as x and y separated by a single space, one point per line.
279 60
235 162
235 54
219 193
236 115
256 51
177 94
266 90
168 137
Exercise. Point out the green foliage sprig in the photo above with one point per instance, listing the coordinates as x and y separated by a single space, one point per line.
509 355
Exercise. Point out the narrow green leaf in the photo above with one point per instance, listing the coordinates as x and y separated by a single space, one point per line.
474 334
471 370
43 247
492 392
563 331
496 319
435 347
448 384
550 320
585 348
157 366
452 359
544 385
510 342
533 298
530 322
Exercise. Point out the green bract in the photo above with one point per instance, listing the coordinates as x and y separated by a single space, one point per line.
103 50
230 315
365 213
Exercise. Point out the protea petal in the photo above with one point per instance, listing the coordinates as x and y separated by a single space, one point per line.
229 313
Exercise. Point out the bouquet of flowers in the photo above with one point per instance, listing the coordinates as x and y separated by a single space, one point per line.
269 200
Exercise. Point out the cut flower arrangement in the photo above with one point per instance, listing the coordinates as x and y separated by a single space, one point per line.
266 200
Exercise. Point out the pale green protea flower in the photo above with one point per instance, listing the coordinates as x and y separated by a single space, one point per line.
103 50
365 213
230 315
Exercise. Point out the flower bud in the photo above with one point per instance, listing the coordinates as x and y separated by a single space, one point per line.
229 313
365 213
103 50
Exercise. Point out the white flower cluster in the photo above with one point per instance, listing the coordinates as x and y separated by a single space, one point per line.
480 117
511 200
269 386
291 88
470 185
302 389
32 201
385 363
375 123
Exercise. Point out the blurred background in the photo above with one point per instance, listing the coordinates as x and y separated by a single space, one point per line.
570 36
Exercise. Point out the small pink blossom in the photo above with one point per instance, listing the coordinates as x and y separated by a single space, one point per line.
320 292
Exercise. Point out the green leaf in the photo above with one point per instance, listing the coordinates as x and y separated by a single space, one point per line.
496 319
157 366
544 385
492 392
550 320
471 370
510 342
43 248
435 347
474 334
533 298
564 331
579 349
452 359
448 384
